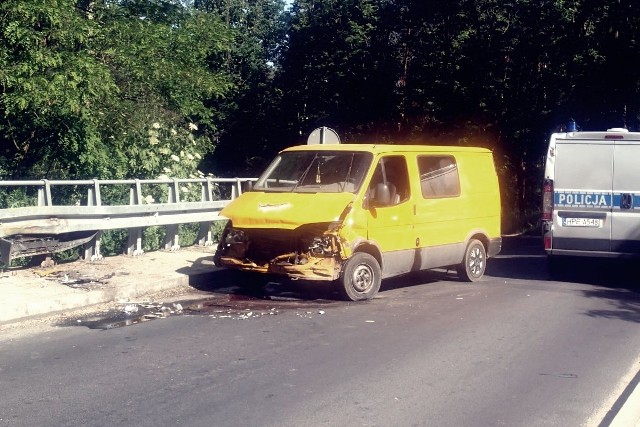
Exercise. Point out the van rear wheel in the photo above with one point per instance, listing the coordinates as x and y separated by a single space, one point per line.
360 278
474 263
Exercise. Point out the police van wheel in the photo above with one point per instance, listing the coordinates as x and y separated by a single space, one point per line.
474 263
360 277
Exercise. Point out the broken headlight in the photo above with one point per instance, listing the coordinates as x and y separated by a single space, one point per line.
234 235
322 246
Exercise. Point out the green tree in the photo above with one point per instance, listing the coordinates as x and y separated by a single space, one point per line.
50 85
337 70
86 89
137 88
167 62
251 112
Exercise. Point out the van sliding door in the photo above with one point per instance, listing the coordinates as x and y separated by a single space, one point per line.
583 195
625 225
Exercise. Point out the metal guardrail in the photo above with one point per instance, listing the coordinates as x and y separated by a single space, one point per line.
47 227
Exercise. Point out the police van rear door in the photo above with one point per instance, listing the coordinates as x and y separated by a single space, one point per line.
625 226
583 193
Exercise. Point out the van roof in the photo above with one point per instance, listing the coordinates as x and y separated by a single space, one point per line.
389 148
610 134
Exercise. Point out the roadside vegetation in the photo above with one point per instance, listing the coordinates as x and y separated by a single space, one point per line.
187 88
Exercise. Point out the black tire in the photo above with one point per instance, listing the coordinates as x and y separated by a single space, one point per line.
474 262
360 278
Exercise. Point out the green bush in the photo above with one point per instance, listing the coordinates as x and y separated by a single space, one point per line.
16 197
113 242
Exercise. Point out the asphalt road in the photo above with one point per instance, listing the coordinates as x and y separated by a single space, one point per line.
516 349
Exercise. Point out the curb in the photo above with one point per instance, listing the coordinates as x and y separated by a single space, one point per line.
122 292
28 294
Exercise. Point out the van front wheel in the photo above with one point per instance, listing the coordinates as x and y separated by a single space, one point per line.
474 263
360 277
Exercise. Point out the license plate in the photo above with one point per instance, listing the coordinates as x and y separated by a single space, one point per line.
581 222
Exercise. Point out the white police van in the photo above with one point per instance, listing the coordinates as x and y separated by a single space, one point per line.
591 194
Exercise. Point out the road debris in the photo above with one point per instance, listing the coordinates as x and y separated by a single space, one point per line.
154 310
227 306
78 279
243 316
130 308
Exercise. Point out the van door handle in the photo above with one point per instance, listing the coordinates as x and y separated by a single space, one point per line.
626 201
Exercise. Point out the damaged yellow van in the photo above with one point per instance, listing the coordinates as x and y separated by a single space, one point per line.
354 214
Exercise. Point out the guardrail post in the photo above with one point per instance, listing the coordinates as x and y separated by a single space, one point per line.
93 196
134 244
44 194
171 237
238 188
92 248
234 191
204 234
207 190
5 252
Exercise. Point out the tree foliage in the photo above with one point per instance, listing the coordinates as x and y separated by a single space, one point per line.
500 74
252 113
120 88
84 88
339 44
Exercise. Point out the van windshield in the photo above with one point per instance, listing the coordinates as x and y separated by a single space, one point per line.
315 172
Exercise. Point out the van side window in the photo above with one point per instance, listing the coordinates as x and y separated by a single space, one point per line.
438 176
391 170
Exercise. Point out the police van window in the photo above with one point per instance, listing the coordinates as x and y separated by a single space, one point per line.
394 170
438 176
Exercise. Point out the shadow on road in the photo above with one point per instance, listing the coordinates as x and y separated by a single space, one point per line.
625 304
260 286
521 258
418 278
615 280
227 281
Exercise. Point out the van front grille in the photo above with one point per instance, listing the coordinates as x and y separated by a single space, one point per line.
264 245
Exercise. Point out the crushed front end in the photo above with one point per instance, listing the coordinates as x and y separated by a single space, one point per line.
310 252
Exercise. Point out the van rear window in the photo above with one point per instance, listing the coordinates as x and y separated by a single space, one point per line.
438 176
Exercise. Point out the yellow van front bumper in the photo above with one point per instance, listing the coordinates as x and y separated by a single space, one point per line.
290 265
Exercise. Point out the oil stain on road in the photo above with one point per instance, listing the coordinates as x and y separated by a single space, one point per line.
232 303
